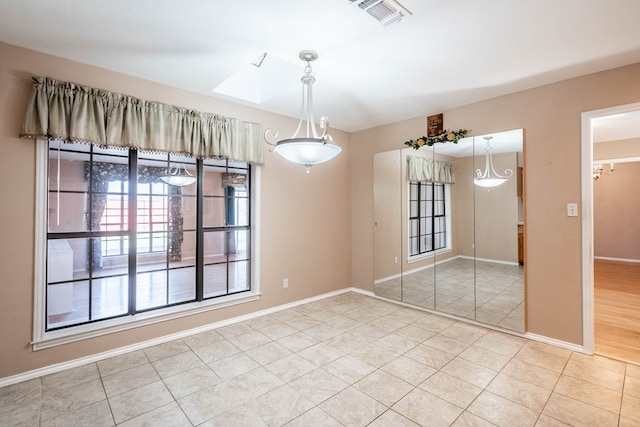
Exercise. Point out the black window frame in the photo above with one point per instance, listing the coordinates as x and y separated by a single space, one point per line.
131 232
427 228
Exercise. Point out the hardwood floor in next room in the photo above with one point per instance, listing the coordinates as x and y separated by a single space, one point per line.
617 310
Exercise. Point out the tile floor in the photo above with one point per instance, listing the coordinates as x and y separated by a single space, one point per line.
348 360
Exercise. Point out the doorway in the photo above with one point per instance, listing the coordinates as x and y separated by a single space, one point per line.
611 269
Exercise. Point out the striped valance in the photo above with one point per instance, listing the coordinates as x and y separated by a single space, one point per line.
74 113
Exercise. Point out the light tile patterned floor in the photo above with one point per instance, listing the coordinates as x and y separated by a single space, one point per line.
348 360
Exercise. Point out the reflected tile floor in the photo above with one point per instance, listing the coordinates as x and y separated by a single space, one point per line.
347 360
487 292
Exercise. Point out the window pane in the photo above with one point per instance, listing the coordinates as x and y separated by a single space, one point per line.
413 227
182 248
238 276
188 212
214 212
238 245
72 169
423 208
110 211
67 304
413 191
151 289
413 209
238 212
428 209
215 280
116 263
439 192
413 243
109 297
67 212
158 242
212 184
182 285
423 244
424 228
143 242
109 168
214 247
66 259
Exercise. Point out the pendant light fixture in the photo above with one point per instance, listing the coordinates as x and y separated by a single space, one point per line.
178 176
312 148
490 178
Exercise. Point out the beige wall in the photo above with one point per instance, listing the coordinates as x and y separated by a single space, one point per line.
551 118
486 218
616 149
496 213
305 226
616 213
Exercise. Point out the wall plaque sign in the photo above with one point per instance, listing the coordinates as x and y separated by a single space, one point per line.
434 125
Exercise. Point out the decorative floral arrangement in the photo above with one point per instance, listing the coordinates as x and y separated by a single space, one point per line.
446 136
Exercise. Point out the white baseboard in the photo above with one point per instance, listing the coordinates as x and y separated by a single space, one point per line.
166 338
569 346
604 258
160 340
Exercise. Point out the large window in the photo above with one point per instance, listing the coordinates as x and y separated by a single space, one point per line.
121 242
428 217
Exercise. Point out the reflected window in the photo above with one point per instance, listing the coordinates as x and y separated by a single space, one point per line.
429 223
152 218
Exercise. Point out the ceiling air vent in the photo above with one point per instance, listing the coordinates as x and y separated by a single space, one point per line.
384 11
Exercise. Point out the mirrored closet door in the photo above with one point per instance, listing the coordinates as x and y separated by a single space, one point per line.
447 238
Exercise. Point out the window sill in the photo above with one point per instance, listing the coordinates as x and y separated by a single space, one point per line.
83 332
429 255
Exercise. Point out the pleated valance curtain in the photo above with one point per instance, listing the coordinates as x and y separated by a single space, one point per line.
429 170
74 113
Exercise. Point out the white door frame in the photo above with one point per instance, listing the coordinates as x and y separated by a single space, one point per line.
588 326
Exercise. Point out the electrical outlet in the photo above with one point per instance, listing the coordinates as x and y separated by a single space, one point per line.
285 283
572 209
396 260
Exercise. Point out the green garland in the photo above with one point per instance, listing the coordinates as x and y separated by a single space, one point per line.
446 136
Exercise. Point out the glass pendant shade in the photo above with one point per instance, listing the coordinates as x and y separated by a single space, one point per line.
178 177
307 151
489 182
315 147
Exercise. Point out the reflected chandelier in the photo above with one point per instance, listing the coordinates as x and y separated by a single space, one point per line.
314 148
490 178
178 176
598 171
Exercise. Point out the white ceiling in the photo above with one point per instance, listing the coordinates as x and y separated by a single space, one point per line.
447 54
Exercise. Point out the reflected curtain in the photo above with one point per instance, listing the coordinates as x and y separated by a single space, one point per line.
99 177
421 169
70 112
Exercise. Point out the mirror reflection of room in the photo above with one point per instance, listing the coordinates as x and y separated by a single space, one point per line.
462 243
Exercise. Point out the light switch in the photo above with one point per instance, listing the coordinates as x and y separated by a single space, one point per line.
572 209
